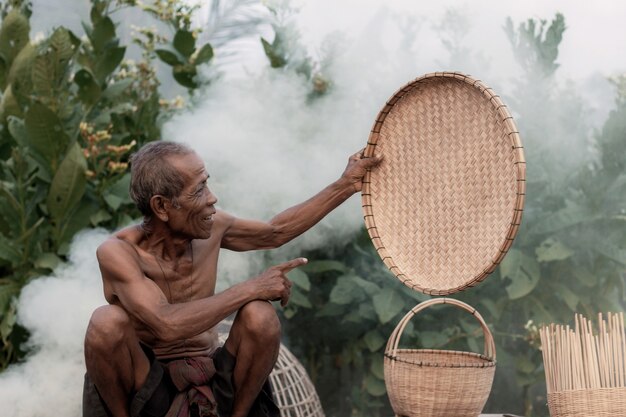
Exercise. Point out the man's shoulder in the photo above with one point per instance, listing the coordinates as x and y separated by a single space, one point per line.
121 243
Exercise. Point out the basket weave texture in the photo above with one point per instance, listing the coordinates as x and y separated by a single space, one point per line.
600 402
293 390
438 383
445 203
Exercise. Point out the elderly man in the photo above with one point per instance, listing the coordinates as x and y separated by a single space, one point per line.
153 350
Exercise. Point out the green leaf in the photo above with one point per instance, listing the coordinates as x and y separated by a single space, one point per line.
8 250
48 260
495 309
45 133
585 277
99 217
299 278
88 89
184 42
45 73
4 69
108 62
9 318
433 339
330 310
370 288
17 129
14 35
170 58
343 291
273 52
568 296
64 48
114 90
572 214
97 11
120 187
204 55
524 365
7 292
377 367
185 76
374 386
20 77
388 303
289 312
472 343
522 270
552 250
68 184
374 340
80 218
113 201
103 33
319 267
299 299
610 251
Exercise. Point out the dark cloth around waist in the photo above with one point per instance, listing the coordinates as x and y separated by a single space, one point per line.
170 390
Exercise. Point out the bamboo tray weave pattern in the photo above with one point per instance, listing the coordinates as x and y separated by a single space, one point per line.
445 203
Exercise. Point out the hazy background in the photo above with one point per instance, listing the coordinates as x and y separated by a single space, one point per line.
266 147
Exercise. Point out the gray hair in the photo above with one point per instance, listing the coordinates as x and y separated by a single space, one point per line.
151 173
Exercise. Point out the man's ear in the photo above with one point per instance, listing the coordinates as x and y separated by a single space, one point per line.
160 206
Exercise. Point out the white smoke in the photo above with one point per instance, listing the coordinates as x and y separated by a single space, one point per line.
267 147
56 310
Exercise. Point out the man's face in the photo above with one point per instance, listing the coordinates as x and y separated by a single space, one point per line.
197 203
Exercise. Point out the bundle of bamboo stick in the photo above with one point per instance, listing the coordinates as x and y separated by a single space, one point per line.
577 359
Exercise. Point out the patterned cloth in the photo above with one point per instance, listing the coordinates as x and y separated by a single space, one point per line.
191 387
192 378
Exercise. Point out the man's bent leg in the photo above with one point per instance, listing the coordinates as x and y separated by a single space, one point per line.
115 361
254 340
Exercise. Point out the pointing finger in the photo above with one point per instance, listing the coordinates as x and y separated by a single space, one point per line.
289 265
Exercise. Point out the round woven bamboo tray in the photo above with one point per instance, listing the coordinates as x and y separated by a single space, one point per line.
438 383
445 203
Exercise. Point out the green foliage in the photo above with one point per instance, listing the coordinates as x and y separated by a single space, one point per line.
183 54
285 52
71 112
537 48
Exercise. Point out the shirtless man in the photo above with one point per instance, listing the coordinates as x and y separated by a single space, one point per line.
159 280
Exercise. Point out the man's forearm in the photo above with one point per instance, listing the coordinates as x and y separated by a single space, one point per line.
184 320
296 220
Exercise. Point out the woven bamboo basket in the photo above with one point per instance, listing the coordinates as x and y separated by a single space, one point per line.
438 383
586 371
599 402
444 205
293 391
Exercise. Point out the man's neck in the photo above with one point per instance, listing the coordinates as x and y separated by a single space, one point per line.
160 241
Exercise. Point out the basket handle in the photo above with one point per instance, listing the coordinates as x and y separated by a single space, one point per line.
394 340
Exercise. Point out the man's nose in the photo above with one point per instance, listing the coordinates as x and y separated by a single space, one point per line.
211 199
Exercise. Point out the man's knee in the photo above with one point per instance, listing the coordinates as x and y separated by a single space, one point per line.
260 320
107 327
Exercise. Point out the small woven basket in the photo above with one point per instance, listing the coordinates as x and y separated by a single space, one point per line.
599 402
293 390
438 383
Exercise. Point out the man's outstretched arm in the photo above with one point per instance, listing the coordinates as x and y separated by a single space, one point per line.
243 235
